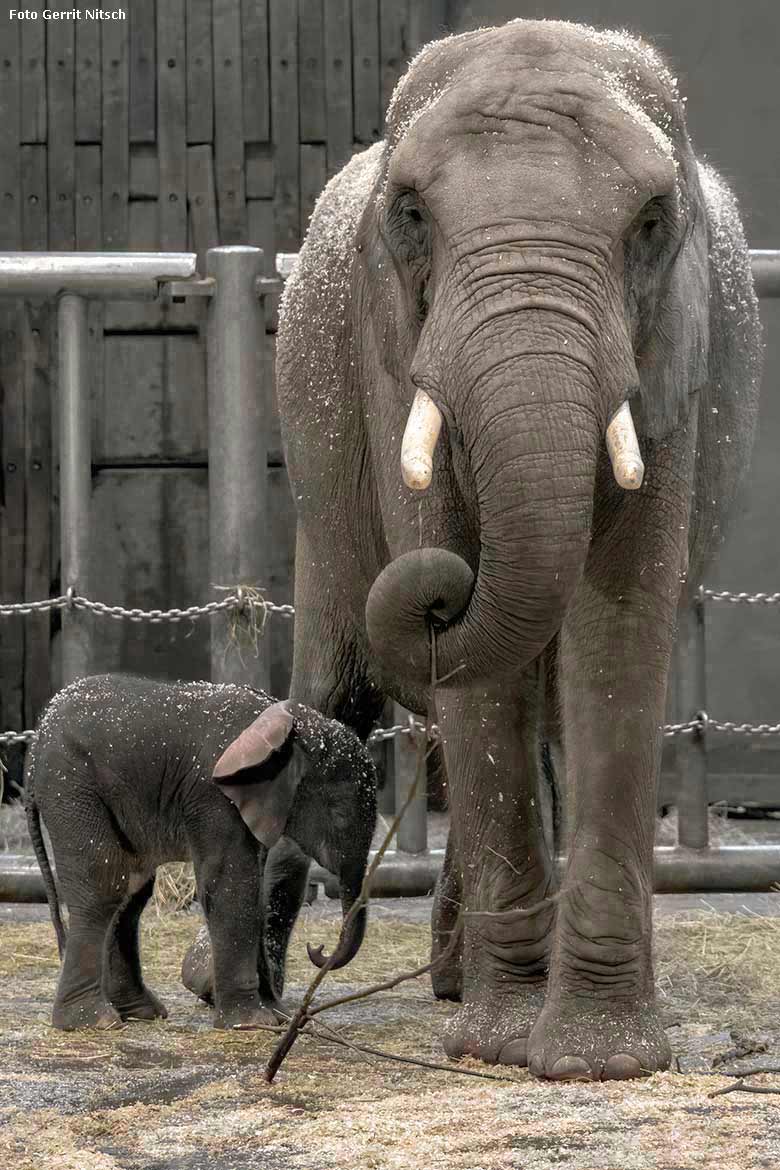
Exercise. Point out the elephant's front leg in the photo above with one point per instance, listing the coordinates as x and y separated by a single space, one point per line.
600 1019
491 747
330 675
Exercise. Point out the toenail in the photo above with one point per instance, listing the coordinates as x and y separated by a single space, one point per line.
571 1068
515 1052
536 1066
622 1067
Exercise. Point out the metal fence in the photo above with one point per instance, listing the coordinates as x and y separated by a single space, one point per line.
238 444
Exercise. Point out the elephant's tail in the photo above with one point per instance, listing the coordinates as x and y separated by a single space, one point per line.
36 836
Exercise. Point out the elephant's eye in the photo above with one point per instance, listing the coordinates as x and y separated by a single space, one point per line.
408 228
648 225
407 232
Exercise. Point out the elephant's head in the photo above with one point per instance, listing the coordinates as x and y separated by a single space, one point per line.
294 773
534 263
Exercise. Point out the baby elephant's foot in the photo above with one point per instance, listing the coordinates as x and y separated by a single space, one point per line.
577 1039
242 1017
85 1013
145 1006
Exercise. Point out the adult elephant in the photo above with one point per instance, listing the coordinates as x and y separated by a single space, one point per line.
517 371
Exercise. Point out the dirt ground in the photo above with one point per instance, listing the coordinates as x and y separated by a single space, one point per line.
176 1095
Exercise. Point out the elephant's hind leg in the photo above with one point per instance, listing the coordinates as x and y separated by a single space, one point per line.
93 878
124 983
80 1001
491 747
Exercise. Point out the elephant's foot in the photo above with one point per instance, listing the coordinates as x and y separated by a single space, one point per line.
85 1012
197 970
504 968
580 1038
495 1027
245 1017
142 1005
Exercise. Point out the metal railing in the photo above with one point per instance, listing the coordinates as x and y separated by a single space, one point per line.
238 418
239 434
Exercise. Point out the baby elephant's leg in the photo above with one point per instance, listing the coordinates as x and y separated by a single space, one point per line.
80 1001
227 870
123 979
93 872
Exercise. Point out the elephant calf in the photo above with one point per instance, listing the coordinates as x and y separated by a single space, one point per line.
129 773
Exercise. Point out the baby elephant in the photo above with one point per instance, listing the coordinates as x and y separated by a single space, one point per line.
129 773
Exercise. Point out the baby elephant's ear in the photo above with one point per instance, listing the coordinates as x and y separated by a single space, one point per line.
258 772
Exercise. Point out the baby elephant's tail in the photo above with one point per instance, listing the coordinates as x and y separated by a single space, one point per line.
36 836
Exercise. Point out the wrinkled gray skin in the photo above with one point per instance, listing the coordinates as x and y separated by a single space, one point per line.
123 774
532 244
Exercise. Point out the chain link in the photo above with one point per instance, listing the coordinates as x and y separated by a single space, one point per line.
240 601
703 723
153 616
741 598
745 728
671 729
9 738
26 608
413 727
382 734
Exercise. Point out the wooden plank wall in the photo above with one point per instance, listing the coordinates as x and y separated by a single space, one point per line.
191 123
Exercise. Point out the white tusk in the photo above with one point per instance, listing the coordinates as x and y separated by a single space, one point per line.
419 442
623 448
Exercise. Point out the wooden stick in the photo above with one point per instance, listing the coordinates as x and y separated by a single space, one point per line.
452 1068
389 984
288 1040
741 1087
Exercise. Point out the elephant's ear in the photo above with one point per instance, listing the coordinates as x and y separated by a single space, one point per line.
673 361
258 772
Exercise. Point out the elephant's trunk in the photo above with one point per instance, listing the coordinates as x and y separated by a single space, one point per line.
353 929
532 435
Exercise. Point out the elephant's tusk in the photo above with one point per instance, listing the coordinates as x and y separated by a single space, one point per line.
419 441
623 448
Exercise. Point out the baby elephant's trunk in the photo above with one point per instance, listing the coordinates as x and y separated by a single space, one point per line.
353 926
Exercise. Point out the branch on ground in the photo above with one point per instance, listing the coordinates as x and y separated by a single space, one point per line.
303 1015
741 1087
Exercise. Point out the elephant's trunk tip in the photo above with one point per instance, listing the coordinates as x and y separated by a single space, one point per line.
317 954
349 942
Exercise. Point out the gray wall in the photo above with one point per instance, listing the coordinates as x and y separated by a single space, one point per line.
725 55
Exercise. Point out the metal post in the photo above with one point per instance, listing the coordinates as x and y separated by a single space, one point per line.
75 480
693 829
413 829
239 419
